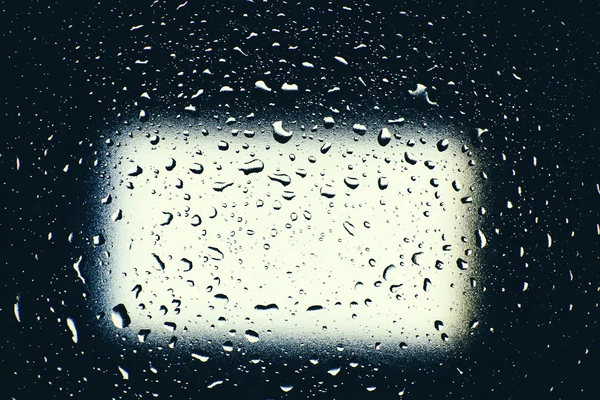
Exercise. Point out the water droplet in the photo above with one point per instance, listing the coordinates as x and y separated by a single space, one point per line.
438 324
314 308
395 288
325 148
120 317
286 388
171 165
73 329
223 145
359 128
252 336
349 228
334 371
161 264
196 220
284 179
328 122
280 134
169 218
228 346
327 191
143 335
462 264
389 272
261 307
137 289
443 144
384 137
220 186
351 182
481 240
197 168
410 158
415 257
382 182
136 171
262 85
252 167
124 373
98 240
426 284
215 383
201 357
215 253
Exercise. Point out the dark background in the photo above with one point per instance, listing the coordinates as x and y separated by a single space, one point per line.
52 88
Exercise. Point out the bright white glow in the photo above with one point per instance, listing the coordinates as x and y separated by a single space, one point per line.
349 229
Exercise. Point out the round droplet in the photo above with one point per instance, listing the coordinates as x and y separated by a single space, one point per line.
443 144
252 336
280 134
383 182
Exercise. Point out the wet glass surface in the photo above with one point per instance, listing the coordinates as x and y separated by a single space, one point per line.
287 200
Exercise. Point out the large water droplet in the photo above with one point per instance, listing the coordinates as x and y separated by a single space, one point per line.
120 317
252 167
351 182
280 134
252 336
384 137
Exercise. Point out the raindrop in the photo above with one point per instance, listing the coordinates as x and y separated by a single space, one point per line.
325 148
73 329
261 307
382 182
171 165
481 240
280 134
384 137
215 253
286 388
196 220
143 335
161 264
443 144
137 171
388 272
284 179
328 122
197 168
462 264
220 186
415 257
228 346
120 317
223 145
168 219
359 128
253 166
327 191
137 289
351 182
426 284
314 308
252 336
438 324
410 158
334 371
349 228
201 357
